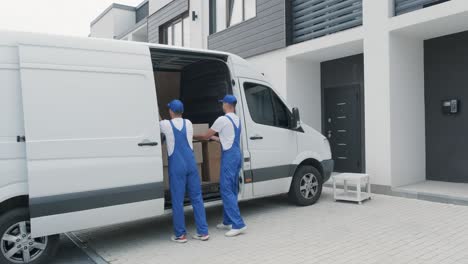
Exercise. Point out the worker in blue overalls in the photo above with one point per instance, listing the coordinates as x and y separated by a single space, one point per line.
183 173
229 129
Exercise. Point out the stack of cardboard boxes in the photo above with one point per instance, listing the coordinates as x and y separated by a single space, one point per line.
207 156
212 164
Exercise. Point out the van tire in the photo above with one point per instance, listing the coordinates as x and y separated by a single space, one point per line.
306 186
14 217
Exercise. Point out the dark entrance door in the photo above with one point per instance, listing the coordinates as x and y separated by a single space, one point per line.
343 111
446 78
343 125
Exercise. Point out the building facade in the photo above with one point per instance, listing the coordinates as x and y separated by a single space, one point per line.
384 80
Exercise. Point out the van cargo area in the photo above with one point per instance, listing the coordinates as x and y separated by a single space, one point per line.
198 80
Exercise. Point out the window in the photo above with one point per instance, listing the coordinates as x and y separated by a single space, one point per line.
227 13
177 37
235 14
260 104
265 106
186 31
281 111
177 33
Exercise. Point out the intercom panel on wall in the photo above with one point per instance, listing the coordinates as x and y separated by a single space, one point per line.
451 106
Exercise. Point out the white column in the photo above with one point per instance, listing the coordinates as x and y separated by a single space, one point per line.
199 29
376 15
304 90
407 110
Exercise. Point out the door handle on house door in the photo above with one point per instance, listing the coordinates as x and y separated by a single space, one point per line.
256 137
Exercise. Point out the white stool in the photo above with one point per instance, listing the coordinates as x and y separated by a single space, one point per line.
353 178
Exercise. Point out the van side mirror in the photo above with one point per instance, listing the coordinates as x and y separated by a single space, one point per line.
295 119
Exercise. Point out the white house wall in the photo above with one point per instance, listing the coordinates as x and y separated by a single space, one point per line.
123 20
377 91
407 110
273 66
104 28
304 90
113 23
199 28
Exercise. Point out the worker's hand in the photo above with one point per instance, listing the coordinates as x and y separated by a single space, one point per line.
205 137
215 138
160 117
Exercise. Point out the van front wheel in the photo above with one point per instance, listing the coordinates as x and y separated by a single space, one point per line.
16 244
306 186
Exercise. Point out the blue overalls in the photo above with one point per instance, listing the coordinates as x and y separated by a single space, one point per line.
183 175
231 162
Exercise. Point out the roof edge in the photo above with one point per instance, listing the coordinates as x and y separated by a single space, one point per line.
112 6
142 4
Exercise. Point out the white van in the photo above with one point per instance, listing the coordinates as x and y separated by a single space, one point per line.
80 144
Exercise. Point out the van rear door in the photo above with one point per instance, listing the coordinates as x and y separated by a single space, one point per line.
92 134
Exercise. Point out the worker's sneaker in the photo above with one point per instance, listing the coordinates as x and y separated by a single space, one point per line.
224 227
235 232
201 237
181 239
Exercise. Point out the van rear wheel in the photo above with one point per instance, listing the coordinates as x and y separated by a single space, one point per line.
306 186
16 244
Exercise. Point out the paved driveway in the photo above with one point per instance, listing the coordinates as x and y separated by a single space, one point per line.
68 253
384 230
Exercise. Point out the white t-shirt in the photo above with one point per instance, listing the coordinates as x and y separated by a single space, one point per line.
224 127
166 129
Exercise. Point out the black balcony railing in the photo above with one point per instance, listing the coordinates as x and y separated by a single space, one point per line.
316 18
405 6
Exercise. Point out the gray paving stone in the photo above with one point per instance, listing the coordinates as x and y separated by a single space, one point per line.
384 230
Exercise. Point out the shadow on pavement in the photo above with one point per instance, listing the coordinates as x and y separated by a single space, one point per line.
69 253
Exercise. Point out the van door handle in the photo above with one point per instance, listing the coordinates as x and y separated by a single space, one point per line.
256 137
147 144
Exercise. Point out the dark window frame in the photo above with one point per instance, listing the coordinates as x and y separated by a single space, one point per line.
212 18
229 8
164 29
273 104
276 107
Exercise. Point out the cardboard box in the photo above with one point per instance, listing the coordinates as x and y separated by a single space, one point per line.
166 174
212 161
167 89
200 128
197 151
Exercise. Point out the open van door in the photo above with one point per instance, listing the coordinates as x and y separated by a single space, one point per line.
92 134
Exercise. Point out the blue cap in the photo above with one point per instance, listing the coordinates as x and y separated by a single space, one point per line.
176 106
229 99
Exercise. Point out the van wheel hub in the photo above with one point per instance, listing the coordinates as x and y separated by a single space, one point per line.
18 246
309 185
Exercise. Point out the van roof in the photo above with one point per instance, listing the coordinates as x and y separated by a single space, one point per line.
15 38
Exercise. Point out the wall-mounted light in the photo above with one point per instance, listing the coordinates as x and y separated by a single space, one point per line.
194 16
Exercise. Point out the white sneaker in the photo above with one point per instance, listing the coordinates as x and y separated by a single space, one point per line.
235 232
201 237
224 227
